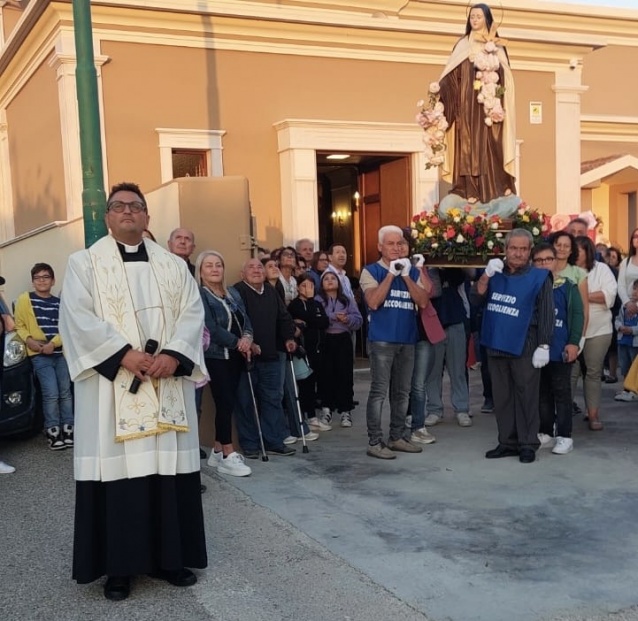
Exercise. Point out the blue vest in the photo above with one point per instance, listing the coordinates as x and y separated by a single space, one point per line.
508 311
395 320
560 337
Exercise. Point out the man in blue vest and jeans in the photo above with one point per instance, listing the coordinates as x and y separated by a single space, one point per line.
518 321
393 294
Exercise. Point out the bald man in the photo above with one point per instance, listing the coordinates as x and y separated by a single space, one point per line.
182 243
273 332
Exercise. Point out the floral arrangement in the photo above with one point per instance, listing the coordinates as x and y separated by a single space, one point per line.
533 220
486 83
457 236
431 118
462 236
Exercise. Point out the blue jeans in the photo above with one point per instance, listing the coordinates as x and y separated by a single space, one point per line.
55 385
452 352
424 354
268 384
626 355
390 363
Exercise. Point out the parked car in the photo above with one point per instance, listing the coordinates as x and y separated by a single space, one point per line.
20 412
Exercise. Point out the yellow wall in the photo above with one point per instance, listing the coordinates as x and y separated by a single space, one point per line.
35 142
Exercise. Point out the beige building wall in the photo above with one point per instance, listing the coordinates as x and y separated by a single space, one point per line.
593 149
35 143
10 17
613 90
245 94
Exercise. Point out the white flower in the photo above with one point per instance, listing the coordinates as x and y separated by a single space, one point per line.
494 225
488 121
460 239
415 233
457 219
434 88
420 103
435 245
499 235
490 244
535 231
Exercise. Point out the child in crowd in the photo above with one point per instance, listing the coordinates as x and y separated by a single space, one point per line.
337 378
36 317
627 327
310 317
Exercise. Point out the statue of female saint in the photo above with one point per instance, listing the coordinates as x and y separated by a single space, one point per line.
477 90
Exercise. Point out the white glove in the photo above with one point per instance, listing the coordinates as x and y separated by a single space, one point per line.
418 260
540 357
494 266
406 268
396 268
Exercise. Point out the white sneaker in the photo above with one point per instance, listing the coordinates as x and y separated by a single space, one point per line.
234 465
463 419
290 440
546 440
311 436
431 420
6 468
215 459
317 423
326 415
346 419
563 446
626 395
421 436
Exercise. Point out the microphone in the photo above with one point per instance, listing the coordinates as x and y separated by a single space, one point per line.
150 348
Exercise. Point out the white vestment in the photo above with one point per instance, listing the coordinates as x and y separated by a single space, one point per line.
90 341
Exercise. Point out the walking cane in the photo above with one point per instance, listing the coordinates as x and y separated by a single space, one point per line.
299 414
264 457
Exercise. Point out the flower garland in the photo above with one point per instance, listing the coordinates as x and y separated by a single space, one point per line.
490 92
431 118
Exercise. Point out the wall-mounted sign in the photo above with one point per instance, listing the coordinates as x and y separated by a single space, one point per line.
535 112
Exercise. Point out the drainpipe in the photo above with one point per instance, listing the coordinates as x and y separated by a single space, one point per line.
93 196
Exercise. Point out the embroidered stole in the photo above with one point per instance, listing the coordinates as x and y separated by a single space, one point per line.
158 406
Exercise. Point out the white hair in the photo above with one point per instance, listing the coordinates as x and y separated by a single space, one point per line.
303 240
390 228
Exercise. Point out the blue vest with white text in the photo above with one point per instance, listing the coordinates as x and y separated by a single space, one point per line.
560 336
509 308
395 320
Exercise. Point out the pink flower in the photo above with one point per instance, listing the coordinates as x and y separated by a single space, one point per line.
434 88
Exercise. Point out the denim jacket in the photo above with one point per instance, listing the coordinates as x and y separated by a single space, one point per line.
218 320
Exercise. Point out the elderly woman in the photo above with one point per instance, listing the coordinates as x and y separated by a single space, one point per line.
602 293
230 340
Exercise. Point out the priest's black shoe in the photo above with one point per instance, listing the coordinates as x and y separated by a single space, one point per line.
527 456
117 588
179 577
501 451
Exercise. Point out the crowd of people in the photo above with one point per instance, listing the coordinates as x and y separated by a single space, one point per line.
146 331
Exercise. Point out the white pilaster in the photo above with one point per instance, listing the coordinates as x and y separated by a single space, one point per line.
568 89
7 223
64 61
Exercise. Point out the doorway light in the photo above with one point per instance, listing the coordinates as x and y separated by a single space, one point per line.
337 156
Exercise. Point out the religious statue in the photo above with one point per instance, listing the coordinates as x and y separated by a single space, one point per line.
475 141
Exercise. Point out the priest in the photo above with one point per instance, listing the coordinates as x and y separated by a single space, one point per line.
132 319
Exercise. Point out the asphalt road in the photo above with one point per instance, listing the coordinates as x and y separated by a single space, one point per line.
335 535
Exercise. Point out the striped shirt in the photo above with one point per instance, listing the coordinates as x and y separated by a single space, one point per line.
47 313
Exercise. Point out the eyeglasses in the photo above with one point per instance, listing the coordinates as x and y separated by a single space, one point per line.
544 259
42 277
287 253
119 206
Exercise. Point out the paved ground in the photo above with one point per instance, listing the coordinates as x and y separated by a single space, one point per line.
333 534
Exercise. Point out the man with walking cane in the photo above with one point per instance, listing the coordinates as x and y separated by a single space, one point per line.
273 331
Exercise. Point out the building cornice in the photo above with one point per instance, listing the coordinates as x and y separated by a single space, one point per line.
604 128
